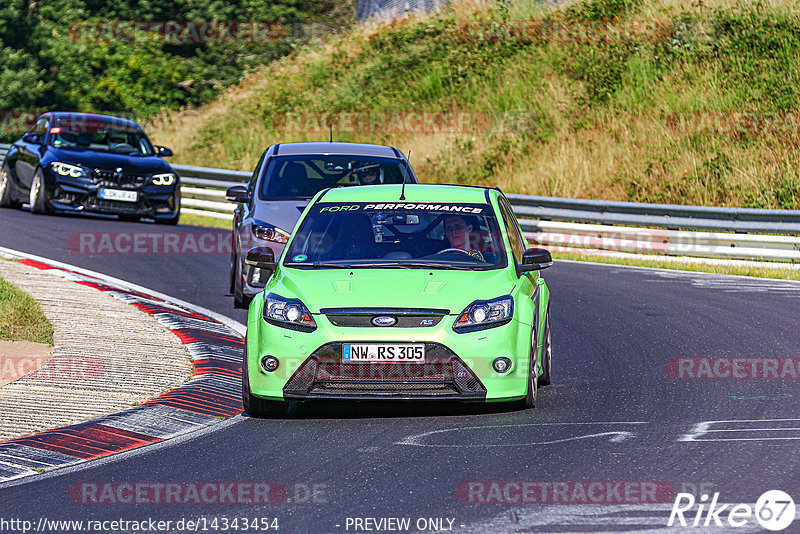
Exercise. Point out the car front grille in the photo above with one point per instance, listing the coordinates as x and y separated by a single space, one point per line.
404 317
113 206
385 389
443 376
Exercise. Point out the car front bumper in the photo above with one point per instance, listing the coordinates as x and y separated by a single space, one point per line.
82 195
458 367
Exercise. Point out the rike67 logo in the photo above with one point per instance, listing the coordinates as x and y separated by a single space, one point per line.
774 510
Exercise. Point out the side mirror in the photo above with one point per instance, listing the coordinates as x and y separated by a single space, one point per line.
237 193
535 259
262 264
163 151
32 138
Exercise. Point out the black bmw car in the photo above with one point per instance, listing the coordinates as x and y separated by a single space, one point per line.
82 162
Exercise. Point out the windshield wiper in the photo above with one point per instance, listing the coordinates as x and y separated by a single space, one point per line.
330 265
413 265
384 264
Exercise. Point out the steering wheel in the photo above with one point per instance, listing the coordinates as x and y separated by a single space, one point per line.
122 148
461 250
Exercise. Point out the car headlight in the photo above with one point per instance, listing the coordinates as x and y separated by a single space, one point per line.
483 314
288 313
65 169
163 179
267 232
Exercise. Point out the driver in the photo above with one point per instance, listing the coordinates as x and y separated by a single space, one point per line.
370 174
459 234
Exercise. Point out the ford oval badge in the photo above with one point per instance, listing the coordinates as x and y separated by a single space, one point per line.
384 320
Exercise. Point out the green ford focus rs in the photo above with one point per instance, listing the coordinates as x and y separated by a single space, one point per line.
422 292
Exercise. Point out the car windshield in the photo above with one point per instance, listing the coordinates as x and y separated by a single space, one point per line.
101 135
398 235
302 177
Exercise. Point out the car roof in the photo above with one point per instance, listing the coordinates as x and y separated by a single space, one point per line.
413 193
75 116
349 149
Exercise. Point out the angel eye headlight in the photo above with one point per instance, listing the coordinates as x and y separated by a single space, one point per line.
65 169
163 179
483 314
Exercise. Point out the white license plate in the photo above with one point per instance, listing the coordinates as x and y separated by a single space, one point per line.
117 194
383 353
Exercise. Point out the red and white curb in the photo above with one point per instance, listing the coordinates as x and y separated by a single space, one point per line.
211 395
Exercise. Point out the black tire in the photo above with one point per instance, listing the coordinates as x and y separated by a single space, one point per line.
39 202
547 352
232 270
254 406
6 201
129 218
240 300
533 382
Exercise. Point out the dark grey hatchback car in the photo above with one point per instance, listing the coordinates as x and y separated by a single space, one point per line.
286 177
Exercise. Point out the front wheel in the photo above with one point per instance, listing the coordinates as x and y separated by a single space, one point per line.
5 190
38 200
254 406
240 300
533 377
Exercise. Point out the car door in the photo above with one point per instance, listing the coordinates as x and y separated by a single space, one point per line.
518 246
242 215
29 153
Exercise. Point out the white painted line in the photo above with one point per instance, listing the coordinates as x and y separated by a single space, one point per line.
705 428
416 439
682 259
236 326
650 518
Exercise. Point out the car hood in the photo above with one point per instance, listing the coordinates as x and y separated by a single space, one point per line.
281 213
140 165
392 288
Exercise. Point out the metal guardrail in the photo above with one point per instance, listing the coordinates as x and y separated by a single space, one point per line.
386 10
577 224
206 192
671 216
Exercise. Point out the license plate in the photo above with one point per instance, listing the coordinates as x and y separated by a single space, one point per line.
117 194
383 353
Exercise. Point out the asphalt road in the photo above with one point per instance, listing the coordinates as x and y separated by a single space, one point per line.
614 413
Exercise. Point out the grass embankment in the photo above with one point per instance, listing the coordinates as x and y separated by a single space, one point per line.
21 317
207 222
608 99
